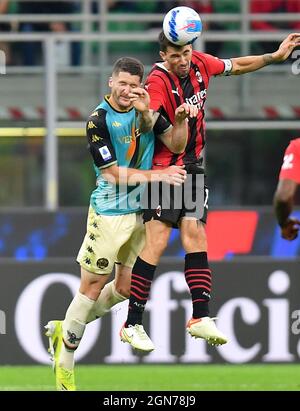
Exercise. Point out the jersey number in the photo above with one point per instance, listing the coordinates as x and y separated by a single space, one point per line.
288 161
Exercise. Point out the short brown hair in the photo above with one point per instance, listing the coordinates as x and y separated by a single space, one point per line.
164 43
129 65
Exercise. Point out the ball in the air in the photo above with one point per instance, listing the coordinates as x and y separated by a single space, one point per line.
182 25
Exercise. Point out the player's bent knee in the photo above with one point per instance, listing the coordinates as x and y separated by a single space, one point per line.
123 291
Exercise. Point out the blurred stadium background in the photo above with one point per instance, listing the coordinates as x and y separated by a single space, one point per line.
54 62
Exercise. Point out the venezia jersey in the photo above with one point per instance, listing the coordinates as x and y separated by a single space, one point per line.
167 91
114 138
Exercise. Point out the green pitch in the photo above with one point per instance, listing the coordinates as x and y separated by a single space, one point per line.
158 377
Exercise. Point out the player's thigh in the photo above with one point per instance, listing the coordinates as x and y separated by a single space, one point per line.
157 236
104 238
196 193
130 250
164 203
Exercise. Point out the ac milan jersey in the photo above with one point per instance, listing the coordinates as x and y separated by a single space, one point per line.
290 169
167 91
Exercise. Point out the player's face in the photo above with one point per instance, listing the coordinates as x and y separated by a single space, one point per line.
122 85
178 61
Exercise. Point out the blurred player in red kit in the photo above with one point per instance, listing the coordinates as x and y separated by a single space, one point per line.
289 179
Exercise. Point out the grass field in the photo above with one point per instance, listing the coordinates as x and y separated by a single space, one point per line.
158 377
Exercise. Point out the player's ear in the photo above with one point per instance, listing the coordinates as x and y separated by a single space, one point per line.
110 82
162 55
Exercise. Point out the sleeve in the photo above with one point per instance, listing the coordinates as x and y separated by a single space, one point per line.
216 66
99 140
162 125
290 169
155 88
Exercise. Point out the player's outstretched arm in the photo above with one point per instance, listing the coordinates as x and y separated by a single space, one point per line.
247 64
283 206
175 175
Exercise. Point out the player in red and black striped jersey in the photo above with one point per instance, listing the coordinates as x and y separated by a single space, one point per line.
168 90
289 180
183 76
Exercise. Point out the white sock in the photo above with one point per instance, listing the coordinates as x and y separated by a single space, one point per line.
73 328
107 299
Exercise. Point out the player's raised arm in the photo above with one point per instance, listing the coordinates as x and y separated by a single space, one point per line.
247 64
176 138
141 100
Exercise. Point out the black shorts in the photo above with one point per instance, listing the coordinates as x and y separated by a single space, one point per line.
168 203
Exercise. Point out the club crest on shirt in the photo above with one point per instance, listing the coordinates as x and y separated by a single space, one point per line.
199 77
102 263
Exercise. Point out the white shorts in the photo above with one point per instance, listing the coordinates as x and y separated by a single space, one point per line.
110 240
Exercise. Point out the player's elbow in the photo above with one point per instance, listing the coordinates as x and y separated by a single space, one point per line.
285 191
282 196
111 174
178 148
239 67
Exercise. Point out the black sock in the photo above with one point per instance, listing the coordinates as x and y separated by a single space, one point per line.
198 278
141 279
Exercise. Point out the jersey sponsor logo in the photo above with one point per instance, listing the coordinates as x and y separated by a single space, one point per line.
288 161
197 99
116 124
96 138
176 91
126 139
105 153
95 113
91 125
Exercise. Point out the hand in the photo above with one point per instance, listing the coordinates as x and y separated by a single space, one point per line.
140 99
286 47
184 111
290 229
175 175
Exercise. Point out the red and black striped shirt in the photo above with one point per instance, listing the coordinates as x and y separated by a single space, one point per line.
167 91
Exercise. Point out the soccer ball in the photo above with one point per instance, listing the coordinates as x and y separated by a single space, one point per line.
182 25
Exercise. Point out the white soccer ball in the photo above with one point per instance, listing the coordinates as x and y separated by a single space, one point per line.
182 25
